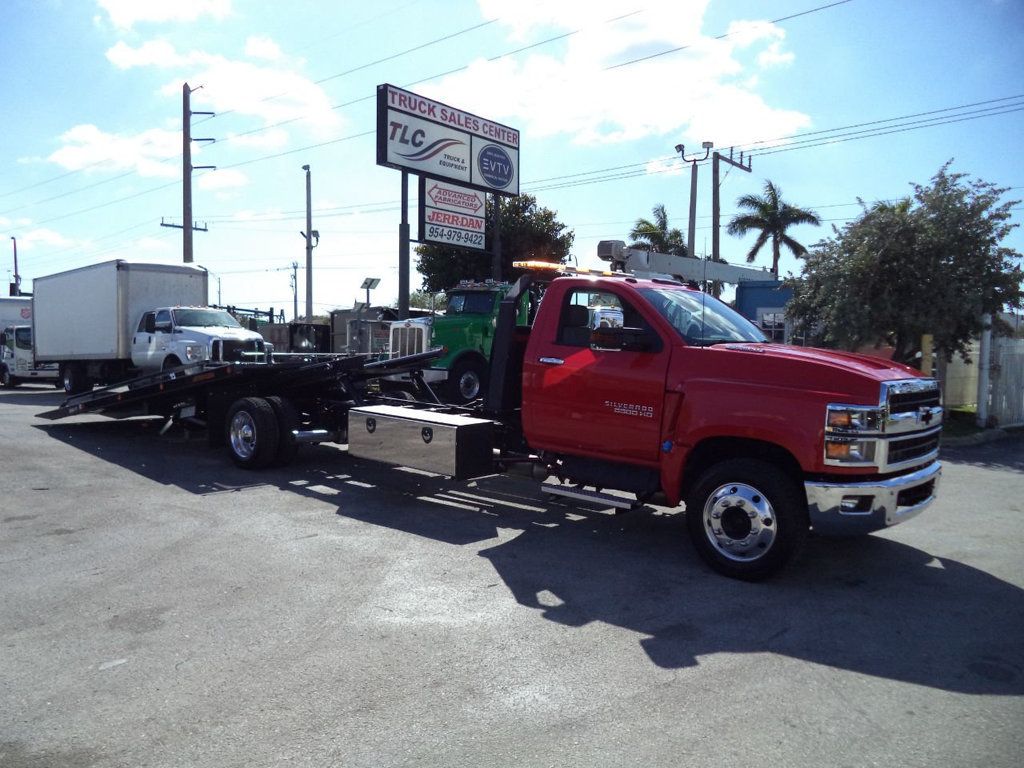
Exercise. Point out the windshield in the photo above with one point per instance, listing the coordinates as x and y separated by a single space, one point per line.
471 303
198 318
700 319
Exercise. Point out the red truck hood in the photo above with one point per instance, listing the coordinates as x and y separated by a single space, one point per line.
808 368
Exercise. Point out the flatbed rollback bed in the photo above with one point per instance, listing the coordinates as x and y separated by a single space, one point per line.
262 411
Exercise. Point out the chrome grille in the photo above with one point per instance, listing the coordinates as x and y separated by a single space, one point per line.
407 340
909 396
234 350
911 448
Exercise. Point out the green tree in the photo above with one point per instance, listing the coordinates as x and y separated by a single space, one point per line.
427 300
770 217
656 236
527 232
930 263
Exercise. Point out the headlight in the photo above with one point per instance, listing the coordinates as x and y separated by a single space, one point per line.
194 352
845 450
852 433
852 418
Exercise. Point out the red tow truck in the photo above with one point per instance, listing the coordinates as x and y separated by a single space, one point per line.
621 384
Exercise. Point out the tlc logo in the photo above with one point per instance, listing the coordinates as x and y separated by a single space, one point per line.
403 135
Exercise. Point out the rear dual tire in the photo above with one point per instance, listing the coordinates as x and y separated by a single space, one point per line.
74 379
260 432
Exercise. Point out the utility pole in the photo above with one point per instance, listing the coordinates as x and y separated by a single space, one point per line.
310 234
187 226
403 251
16 285
295 290
716 208
692 230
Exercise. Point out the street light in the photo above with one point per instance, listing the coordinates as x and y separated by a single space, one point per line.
692 231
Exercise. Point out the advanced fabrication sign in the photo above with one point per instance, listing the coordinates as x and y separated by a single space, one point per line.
452 214
427 137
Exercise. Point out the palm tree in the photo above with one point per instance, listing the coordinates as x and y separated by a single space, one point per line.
771 217
656 236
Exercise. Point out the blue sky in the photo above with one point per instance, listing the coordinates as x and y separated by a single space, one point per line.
601 92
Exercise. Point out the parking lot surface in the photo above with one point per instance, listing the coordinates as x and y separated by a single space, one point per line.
160 607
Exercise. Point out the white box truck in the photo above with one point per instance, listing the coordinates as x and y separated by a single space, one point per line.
108 322
17 364
15 310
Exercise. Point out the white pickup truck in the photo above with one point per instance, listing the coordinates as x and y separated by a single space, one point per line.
172 336
109 322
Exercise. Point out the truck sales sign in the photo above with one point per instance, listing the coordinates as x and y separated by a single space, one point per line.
451 214
427 137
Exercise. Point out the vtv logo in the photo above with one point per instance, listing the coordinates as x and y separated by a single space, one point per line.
495 166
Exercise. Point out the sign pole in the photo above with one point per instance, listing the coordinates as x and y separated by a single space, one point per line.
403 252
496 240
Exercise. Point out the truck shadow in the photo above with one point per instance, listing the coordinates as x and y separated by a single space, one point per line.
870 605
41 395
999 454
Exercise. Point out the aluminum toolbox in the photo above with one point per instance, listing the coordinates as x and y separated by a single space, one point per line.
458 446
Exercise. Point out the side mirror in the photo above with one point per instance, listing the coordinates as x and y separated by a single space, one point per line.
624 339
150 324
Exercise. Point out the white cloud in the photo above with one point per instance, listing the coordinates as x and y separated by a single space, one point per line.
273 138
262 48
155 53
218 180
86 147
127 13
700 91
44 237
745 33
774 56
154 245
274 94
671 167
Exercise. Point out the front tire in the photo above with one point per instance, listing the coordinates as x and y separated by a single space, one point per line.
467 380
171 362
252 433
747 518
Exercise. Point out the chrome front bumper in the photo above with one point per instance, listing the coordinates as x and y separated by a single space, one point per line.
842 509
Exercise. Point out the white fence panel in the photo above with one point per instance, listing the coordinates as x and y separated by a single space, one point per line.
960 379
1006 407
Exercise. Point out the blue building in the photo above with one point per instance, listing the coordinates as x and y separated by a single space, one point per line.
763 302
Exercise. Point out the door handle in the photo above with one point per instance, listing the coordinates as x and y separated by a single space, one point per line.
550 360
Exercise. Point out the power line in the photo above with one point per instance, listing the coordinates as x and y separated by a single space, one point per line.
721 36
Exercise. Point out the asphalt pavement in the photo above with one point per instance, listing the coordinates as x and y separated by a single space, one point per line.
160 607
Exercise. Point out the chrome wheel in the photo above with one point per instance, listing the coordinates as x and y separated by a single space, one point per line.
740 522
242 433
469 385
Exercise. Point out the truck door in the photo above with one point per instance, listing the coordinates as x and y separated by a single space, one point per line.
591 400
150 340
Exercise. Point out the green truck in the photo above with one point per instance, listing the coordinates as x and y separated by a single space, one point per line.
466 332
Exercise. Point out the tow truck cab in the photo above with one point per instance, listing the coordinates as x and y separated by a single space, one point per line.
688 401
